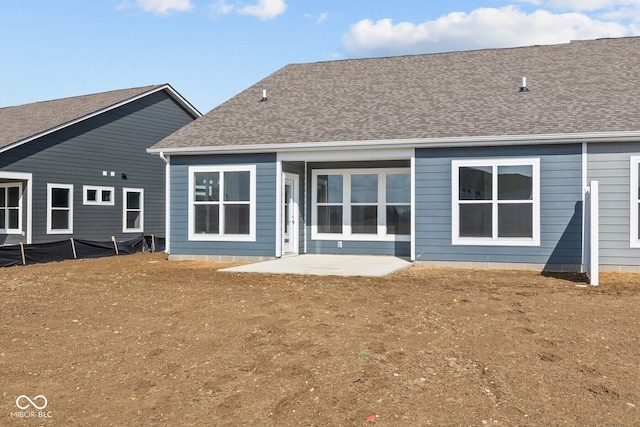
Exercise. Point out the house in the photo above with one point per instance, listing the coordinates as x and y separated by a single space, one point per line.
475 158
78 167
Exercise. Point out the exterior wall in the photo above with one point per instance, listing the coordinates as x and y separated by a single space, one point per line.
78 155
609 165
560 209
353 247
264 246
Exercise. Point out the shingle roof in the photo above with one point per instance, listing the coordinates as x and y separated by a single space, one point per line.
577 87
24 121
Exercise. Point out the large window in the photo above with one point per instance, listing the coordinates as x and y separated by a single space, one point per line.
10 208
361 204
59 208
222 203
133 210
496 202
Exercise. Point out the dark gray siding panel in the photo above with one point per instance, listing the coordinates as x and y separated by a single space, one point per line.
560 207
609 164
264 246
113 141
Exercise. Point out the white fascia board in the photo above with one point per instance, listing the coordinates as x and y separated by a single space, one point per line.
477 141
175 95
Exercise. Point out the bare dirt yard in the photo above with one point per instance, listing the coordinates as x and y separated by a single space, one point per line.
140 341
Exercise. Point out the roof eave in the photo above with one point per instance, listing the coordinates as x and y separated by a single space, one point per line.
477 141
172 92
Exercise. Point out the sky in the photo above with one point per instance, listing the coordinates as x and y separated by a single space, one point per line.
210 50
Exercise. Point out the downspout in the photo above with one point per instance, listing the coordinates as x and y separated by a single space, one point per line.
167 208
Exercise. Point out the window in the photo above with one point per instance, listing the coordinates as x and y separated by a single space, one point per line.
222 203
59 208
133 210
10 208
361 204
634 213
496 202
98 195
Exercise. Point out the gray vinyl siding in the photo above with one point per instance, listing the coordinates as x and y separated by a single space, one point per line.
560 208
609 164
354 247
264 246
113 141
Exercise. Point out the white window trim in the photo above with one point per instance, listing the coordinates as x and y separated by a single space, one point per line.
99 190
495 241
49 188
6 186
346 213
124 210
251 237
634 165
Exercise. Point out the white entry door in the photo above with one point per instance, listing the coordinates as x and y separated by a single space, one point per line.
290 215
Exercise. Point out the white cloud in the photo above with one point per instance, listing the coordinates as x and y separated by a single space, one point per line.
265 9
482 28
164 6
220 7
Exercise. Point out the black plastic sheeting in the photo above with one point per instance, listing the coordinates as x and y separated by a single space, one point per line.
76 249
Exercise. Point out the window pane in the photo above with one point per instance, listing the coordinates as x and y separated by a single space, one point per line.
60 219
475 183
329 219
3 197
13 218
207 219
515 182
3 218
133 200
60 198
399 188
475 220
92 195
207 186
237 186
236 219
515 220
14 197
364 188
398 219
329 189
106 195
133 219
364 219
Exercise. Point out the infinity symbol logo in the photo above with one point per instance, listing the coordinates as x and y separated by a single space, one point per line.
31 402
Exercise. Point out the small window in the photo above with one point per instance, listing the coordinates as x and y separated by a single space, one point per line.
59 209
10 208
94 195
133 210
222 203
496 202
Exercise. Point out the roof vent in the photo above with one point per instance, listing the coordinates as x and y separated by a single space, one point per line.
264 95
524 87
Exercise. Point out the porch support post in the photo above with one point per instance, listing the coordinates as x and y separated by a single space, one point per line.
279 185
413 206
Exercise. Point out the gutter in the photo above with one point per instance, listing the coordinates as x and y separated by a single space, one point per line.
167 200
478 141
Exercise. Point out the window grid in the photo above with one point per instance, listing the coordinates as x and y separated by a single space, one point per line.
495 203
